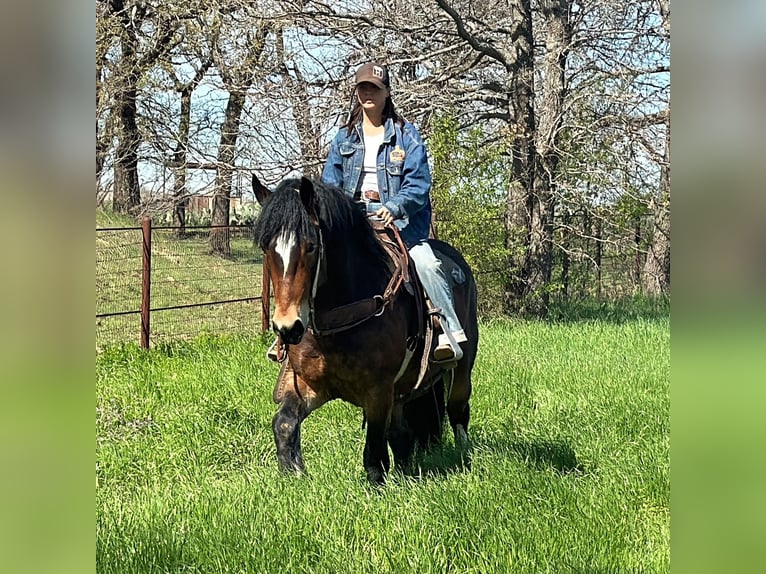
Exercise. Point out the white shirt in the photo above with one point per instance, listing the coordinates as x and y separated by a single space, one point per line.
369 179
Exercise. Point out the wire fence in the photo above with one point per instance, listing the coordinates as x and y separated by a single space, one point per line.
155 284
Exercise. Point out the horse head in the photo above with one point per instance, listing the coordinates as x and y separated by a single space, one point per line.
288 232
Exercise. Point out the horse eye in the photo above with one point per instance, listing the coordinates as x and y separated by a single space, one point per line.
310 247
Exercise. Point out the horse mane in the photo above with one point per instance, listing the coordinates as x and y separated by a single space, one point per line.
341 220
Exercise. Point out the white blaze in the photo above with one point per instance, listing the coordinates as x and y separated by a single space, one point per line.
285 244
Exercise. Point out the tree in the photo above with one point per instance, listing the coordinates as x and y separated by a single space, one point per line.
570 99
139 34
237 57
199 60
533 114
656 271
468 203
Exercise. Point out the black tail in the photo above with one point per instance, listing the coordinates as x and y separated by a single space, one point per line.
424 415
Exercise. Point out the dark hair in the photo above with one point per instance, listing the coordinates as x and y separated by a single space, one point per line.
355 115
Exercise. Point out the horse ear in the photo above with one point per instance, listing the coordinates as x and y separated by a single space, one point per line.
261 192
308 196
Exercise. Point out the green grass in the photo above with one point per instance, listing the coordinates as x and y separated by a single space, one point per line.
569 473
183 273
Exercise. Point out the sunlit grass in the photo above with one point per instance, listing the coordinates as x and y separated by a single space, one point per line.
569 467
183 273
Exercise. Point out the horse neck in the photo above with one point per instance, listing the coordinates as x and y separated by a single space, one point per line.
352 274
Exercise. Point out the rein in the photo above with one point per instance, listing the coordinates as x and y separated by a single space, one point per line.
353 314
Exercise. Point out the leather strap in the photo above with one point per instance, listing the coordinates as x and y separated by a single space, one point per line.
348 316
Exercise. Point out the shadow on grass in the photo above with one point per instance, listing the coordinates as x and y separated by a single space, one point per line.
536 454
439 461
541 454
444 460
616 311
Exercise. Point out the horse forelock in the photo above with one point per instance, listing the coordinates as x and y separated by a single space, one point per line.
282 214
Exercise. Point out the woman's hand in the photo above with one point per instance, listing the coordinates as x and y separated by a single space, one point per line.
385 215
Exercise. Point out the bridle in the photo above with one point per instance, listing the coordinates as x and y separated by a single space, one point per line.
315 284
345 317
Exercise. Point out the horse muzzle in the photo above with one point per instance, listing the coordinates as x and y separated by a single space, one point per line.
291 334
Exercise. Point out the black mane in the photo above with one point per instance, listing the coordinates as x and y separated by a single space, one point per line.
343 223
282 210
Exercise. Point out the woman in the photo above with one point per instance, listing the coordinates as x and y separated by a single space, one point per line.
379 158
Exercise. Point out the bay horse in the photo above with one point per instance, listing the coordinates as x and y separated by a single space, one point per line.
349 334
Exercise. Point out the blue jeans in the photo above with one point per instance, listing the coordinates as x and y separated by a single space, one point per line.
435 283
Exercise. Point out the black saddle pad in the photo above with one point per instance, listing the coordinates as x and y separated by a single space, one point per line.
452 269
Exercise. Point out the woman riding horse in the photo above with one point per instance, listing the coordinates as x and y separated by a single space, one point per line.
380 158
351 327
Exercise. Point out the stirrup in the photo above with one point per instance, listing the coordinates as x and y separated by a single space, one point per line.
447 350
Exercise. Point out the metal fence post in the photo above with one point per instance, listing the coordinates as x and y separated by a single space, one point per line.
146 281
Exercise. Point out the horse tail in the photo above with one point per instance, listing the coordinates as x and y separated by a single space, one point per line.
424 415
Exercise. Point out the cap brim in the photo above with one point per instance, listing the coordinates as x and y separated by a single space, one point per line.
374 81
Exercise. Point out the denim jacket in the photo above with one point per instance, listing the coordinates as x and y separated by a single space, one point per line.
404 178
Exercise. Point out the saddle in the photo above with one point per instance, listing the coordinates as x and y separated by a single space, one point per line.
429 317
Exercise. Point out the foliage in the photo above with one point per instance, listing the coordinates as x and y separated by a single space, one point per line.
109 218
613 310
468 197
586 102
569 469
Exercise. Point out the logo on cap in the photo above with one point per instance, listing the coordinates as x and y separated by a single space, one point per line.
377 71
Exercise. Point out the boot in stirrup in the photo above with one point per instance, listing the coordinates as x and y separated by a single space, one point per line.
448 347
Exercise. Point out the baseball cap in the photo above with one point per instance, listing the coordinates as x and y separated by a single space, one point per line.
374 73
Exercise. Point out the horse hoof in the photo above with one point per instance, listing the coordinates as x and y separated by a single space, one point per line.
461 437
376 477
292 468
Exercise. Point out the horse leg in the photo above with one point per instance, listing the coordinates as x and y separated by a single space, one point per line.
298 400
376 459
425 416
458 407
287 434
401 438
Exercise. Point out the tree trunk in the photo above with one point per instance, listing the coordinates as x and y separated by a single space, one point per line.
536 155
584 280
656 272
300 101
180 199
565 258
101 138
549 115
180 157
127 191
520 92
635 274
219 236
599 249
237 79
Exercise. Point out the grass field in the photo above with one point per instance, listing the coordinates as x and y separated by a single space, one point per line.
570 463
